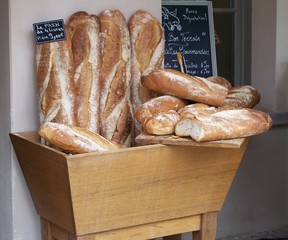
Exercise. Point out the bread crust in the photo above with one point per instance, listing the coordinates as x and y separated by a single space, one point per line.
242 97
115 103
55 86
147 52
158 104
161 123
176 83
84 33
75 140
226 124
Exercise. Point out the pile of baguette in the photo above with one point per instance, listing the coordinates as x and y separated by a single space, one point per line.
105 84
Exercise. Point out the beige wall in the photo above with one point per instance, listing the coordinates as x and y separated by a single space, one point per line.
258 197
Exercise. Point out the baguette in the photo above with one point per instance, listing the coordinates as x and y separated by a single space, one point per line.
116 111
147 52
242 97
55 86
158 104
84 33
173 82
75 140
226 124
220 80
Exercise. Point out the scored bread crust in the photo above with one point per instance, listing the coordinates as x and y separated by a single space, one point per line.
197 89
147 52
226 124
115 102
75 140
84 33
242 97
55 86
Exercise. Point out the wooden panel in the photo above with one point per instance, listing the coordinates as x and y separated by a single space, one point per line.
149 184
147 231
92 193
45 171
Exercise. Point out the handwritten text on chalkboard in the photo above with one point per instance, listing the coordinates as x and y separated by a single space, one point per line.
49 31
188 31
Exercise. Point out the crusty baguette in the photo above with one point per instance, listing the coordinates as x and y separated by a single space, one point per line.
84 32
242 97
191 110
161 123
176 83
115 103
220 80
147 52
158 104
74 140
55 86
226 124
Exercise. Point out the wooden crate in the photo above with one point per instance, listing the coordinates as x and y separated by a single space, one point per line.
136 193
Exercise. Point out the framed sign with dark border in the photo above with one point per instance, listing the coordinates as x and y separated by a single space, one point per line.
49 31
189 37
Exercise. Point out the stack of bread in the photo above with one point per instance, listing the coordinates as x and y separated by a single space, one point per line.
105 84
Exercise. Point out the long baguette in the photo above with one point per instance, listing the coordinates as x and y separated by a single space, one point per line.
55 86
116 111
74 140
226 124
173 82
84 32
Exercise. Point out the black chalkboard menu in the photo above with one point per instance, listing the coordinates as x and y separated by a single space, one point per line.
49 31
189 34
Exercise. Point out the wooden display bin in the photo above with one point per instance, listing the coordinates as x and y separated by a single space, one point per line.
137 193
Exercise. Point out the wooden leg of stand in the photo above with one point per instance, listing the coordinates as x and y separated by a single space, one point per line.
50 231
208 227
173 237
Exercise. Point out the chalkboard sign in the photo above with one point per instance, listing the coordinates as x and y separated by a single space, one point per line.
50 31
189 34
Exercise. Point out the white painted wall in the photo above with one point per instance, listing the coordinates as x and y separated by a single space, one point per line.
258 197
22 220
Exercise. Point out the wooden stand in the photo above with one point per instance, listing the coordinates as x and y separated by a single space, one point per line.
137 193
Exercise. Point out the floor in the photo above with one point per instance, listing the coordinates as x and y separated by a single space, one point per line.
278 234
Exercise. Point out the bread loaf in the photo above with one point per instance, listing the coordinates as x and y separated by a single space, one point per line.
242 97
161 123
226 124
220 80
147 52
173 82
158 104
55 86
84 33
74 140
115 103
192 110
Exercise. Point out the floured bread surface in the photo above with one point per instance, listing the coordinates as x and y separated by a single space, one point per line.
158 104
161 123
55 86
242 97
197 89
84 33
72 139
192 110
115 76
147 54
226 124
